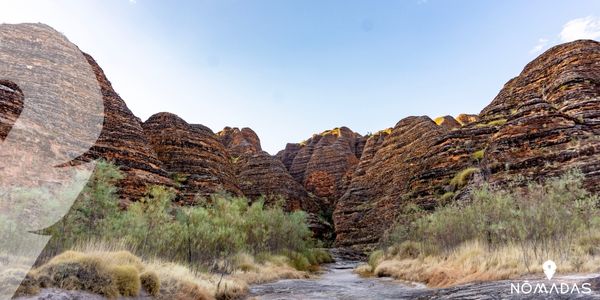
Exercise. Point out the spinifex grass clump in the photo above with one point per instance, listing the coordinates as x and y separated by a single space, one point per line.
519 228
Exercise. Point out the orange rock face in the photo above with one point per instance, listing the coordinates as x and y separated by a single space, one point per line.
323 162
193 156
261 175
240 141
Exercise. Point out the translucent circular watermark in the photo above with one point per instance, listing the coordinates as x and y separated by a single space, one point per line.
59 117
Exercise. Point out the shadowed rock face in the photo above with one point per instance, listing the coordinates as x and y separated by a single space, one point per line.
542 123
10 106
193 155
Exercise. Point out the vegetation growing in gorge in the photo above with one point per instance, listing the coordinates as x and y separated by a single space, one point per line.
498 234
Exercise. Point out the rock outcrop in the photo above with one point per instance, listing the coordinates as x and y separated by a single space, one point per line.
448 122
542 123
261 175
123 142
193 155
240 141
324 162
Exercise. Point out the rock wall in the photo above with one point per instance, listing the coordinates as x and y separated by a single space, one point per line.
542 123
261 175
193 156
123 142
324 162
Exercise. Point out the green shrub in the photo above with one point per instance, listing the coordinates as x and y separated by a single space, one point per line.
408 249
478 155
498 122
299 261
205 236
150 282
446 197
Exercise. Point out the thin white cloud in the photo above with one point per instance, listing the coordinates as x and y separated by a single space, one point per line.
133 1
581 28
541 45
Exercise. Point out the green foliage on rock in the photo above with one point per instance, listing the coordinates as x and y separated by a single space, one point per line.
461 178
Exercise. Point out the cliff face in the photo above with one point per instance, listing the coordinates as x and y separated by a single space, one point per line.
123 142
261 175
542 123
325 162
11 105
193 156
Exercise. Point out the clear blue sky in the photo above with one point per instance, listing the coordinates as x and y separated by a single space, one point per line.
288 69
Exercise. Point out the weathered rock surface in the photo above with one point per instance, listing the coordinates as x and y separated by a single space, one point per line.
447 122
467 118
240 141
261 175
542 123
323 162
123 142
193 156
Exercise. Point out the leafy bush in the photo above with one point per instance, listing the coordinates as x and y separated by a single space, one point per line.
204 237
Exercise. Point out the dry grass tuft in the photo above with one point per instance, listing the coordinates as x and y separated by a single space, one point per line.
127 280
150 283
364 270
471 262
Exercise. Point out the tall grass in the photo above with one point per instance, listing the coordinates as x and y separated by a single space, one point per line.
556 219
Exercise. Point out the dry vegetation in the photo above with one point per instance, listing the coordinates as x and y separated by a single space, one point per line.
500 234
214 250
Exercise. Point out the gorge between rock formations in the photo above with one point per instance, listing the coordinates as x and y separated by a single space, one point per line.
542 123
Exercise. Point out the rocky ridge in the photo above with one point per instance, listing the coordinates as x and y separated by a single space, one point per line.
542 123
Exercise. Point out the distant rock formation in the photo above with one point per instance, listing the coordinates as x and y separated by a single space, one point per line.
261 175
325 161
448 122
193 155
